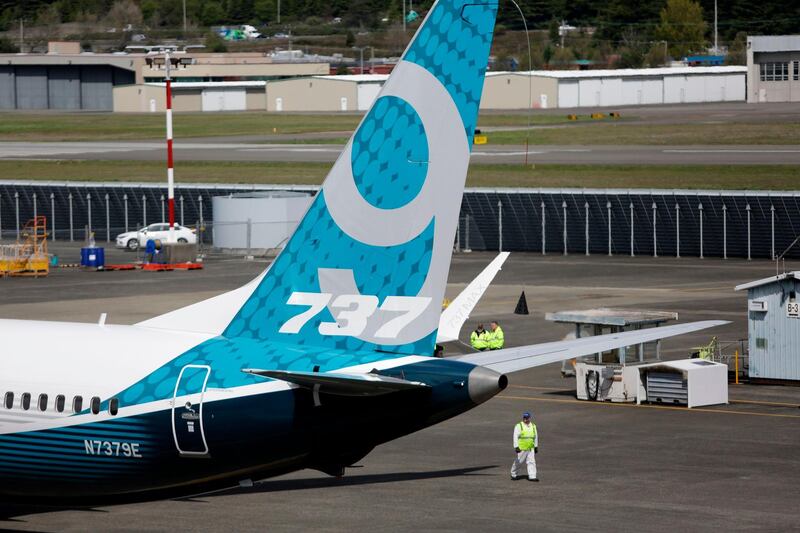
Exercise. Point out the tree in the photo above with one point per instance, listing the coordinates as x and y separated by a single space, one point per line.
265 10
683 27
737 51
124 12
212 14
7 47
349 39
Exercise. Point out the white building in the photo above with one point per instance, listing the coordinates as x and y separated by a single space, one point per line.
773 68
611 88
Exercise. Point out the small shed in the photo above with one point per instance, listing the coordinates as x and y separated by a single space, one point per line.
773 327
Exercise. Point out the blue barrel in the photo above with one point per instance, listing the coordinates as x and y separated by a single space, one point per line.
93 257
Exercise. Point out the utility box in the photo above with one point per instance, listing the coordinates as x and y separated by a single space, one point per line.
773 327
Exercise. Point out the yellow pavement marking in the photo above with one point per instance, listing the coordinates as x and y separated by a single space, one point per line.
759 402
665 407
541 388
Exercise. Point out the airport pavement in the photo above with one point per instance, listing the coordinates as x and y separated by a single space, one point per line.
219 150
603 466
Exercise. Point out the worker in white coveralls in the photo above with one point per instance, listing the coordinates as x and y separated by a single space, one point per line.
526 446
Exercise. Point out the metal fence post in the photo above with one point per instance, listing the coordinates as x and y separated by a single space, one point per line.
500 225
163 215
458 234
772 223
108 221
53 216
544 248
677 230
466 240
1 217
249 234
564 211
89 212
586 225
631 207
200 202
655 238
35 207
16 204
608 209
724 231
144 210
181 200
71 226
748 232
125 209
700 209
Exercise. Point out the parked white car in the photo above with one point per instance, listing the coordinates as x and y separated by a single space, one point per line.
132 240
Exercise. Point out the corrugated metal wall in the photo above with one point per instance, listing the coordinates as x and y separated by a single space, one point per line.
563 217
61 86
7 90
31 83
774 337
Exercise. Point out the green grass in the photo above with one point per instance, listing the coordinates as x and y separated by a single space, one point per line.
121 126
42 126
750 177
662 134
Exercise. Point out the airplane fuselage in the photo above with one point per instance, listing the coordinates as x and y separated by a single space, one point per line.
189 432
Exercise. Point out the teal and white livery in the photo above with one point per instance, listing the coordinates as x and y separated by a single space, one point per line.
336 335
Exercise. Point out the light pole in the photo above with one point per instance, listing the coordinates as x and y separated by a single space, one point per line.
184 19
279 11
361 50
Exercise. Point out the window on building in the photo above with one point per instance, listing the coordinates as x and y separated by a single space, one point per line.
42 402
60 402
774 71
95 405
113 406
9 400
25 402
77 404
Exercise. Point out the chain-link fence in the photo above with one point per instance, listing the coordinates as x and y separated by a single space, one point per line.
564 221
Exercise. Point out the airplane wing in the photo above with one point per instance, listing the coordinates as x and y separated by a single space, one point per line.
341 384
454 316
514 359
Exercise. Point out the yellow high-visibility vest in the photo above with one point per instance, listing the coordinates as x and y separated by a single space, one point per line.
527 437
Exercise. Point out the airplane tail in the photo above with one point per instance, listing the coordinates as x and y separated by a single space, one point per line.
367 266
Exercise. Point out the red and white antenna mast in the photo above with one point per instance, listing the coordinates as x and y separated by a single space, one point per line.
170 169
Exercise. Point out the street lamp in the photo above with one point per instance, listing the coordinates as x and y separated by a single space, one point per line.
361 50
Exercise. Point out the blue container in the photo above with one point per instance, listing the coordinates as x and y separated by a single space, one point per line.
93 257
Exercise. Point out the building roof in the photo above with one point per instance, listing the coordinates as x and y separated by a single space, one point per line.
774 43
177 84
357 78
612 317
766 281
626 72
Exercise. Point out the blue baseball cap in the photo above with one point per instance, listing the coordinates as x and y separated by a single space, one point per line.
526 414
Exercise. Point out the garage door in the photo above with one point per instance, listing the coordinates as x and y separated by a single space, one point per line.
567 93
224 100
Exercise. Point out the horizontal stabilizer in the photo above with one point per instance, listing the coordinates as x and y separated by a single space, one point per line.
523 357
341 384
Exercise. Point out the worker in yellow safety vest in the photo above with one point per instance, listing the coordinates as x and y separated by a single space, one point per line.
526 446
479 339
496 338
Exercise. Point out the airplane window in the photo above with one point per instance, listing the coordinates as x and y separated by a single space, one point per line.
43 402
77 404
95 405
60 401
113 406
9 400
25 403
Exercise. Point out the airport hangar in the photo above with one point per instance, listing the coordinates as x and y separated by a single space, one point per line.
773 68
69 80
543 89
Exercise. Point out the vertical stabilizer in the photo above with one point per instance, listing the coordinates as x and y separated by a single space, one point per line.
367 266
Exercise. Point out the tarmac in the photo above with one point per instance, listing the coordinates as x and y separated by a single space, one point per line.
614 467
